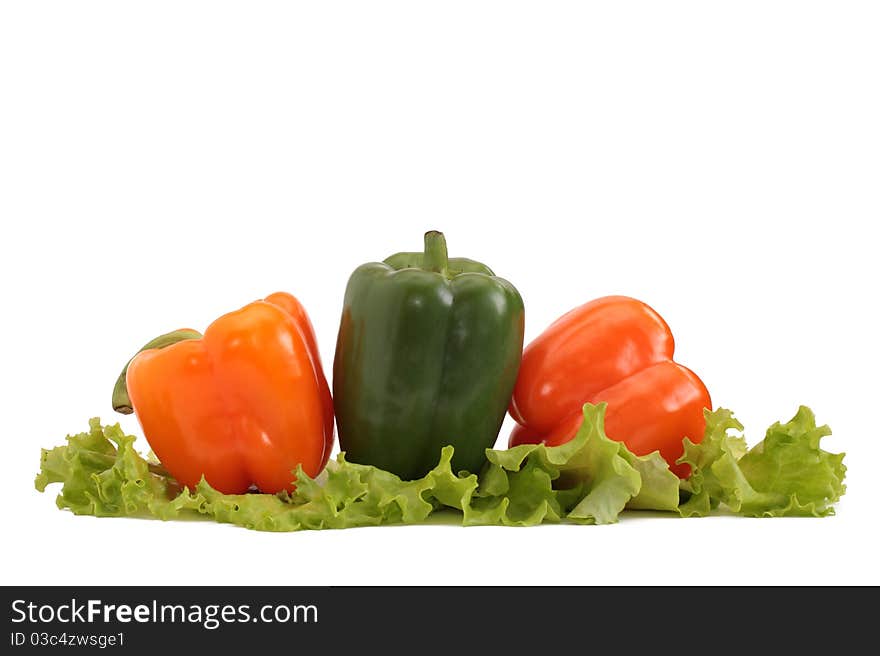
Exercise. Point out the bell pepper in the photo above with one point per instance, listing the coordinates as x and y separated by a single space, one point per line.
243 405
617 350
427 356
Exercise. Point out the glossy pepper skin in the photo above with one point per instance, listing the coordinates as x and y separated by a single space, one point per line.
242 405
427 355
618 350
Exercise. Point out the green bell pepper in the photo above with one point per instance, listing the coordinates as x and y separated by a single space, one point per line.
427 355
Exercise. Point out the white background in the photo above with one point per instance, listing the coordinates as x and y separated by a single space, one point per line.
162 163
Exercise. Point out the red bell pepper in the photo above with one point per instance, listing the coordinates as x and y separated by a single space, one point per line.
617 350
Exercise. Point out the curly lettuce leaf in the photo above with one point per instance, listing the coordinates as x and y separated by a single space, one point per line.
716 452
660 487
103 475
787 473
589 480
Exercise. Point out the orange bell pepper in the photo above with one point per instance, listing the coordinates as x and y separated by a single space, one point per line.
242 405
617 350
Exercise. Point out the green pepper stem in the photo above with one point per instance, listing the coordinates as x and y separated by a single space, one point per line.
121 400
436 257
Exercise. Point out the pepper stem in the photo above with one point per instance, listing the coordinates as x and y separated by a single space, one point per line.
436 257
121 400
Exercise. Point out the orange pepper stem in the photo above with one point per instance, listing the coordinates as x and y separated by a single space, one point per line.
436 256
121 401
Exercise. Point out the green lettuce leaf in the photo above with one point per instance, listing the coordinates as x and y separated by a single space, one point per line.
589 480
660 487
103 475
717 451
787 473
